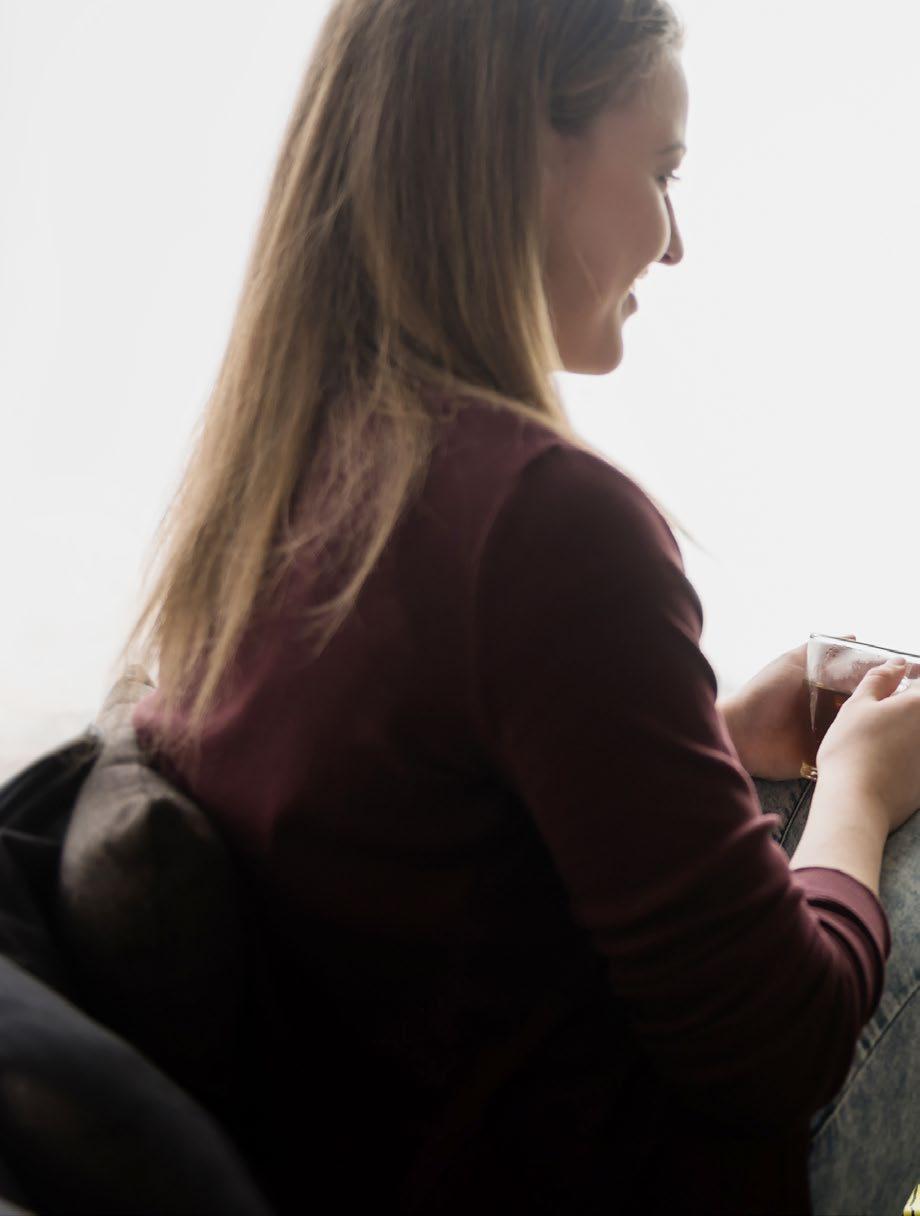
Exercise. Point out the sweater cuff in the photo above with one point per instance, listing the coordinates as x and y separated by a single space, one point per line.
823 884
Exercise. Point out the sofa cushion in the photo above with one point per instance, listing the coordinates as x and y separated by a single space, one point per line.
147 908
35 807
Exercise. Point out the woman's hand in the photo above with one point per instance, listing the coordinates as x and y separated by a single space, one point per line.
769 719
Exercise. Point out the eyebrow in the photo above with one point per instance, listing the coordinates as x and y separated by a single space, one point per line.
678 147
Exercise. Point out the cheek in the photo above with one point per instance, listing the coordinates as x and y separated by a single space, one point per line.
601 233
585 257
618 233
638 232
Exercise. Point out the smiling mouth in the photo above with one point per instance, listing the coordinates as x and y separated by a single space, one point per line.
635 282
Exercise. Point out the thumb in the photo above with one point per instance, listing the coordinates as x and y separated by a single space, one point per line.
880 682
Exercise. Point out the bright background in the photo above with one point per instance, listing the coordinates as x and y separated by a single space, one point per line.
767 395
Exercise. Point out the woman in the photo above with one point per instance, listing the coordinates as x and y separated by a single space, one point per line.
433 665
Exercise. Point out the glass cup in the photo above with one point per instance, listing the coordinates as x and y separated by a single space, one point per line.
835 666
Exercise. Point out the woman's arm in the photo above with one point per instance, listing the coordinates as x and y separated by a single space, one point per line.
746 982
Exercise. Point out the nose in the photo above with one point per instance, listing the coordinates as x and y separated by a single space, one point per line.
675 250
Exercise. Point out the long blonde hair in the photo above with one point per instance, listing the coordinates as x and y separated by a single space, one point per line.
398 256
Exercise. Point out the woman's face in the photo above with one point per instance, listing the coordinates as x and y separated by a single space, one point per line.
608 216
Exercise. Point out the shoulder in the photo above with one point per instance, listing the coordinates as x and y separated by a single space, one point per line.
576 489
579 575
512 501
575 532
508 464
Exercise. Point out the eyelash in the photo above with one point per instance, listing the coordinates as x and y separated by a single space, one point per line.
670 177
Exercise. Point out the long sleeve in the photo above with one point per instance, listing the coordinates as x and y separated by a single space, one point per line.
746 984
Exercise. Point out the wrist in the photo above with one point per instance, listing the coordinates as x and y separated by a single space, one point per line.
847 796
846 830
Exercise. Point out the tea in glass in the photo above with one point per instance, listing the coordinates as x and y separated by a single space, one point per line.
835 666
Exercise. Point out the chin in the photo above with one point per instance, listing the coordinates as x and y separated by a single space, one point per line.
597 363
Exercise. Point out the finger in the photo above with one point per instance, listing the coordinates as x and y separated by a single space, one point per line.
881 681
910 685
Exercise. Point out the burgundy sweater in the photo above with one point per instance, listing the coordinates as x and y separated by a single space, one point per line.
500 831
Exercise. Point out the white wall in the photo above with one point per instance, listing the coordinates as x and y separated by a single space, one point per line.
767 394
